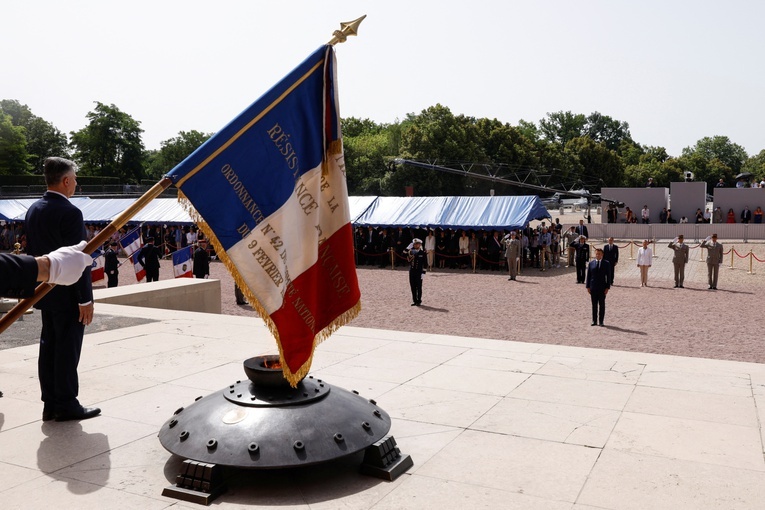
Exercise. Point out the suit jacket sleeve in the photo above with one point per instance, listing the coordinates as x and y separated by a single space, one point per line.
18 275
74 232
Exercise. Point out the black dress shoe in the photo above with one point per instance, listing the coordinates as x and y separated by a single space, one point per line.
82 414
601 324
594 324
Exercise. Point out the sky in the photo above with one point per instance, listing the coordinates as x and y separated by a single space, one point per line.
676 71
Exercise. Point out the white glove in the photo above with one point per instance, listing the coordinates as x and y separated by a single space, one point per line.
675 240
709 238
68 263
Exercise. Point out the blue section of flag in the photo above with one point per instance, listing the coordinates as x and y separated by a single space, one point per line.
250 168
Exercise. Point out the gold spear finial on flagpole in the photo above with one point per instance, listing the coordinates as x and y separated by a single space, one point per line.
346 28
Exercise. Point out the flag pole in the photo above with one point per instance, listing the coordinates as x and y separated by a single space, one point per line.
347 28
116 224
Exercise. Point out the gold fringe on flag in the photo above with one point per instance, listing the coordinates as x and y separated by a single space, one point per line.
292 377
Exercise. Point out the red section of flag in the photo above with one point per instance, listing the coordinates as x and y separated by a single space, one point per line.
328 289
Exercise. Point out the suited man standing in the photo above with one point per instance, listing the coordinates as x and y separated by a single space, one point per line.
201 260
53 222
111 265
714 258
598 283
582 229
746 215
611 254
148 257
679 259
582 256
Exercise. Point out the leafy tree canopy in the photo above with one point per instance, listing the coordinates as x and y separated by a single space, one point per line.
110 145
13 149
172 152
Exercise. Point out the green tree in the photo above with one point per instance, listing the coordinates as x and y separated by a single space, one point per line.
713 158
13 148
438 136
172 152
610 132
562 127
110 145
42 138
595 161
756 165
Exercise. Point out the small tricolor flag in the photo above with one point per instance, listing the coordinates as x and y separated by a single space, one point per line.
269 192
131 242
140 272
182 263
97 269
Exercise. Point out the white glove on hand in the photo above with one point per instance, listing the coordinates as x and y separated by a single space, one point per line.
709 238
68 263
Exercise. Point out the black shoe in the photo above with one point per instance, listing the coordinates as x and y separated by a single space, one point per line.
714 288
594 324
81 414
681 286
711 287
676 286
413 304
601 324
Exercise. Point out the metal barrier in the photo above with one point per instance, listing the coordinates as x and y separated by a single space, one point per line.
691 231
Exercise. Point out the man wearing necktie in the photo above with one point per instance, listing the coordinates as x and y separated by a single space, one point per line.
582 229
598 283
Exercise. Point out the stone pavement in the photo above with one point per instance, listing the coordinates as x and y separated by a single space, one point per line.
488 423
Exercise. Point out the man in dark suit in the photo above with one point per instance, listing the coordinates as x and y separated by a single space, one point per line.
201 260
581 229
19 274
598 283
611 254
111 265
746 215
148 257
582 256
53 222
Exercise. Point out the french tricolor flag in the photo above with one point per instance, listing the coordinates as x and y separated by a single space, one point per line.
269 192
140 272
97 269
131 242
182 263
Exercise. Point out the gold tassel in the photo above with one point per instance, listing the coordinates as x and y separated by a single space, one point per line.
292 377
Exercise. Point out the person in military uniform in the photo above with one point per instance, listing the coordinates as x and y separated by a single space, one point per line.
418 261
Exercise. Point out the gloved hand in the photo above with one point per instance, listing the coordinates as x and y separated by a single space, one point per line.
709 238
68 263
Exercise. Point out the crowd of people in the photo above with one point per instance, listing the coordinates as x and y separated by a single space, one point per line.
542 247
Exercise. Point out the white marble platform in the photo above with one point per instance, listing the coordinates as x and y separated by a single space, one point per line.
489 424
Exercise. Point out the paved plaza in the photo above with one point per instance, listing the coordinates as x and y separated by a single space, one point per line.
488 423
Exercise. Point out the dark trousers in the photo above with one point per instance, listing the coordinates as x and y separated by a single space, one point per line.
598 299
239 295
415 283
581 271
60 347
152 275
112 279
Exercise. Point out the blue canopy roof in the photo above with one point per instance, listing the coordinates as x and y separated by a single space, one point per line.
453 212
444 212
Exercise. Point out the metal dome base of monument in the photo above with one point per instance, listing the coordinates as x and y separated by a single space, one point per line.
263 423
